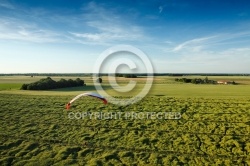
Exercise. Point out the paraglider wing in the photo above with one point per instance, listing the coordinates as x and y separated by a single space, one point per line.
98 97
87 94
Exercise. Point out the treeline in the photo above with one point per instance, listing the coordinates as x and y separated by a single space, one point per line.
196 80
48 83
203 81
126 75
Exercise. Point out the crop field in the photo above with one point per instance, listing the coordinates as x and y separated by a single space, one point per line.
214 128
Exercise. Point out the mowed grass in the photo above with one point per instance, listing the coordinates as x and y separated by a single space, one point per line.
10 86
37 130
206 91
214 128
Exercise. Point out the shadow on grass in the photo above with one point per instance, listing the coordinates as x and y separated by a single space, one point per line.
81 88
160 95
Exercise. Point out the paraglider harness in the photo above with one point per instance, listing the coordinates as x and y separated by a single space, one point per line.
68 106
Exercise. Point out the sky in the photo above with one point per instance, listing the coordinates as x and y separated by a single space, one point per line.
178 36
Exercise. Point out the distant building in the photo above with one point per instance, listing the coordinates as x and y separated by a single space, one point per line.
222 82
225 82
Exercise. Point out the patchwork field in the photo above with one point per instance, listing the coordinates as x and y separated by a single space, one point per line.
214 128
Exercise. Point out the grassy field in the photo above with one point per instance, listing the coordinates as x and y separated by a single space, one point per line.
10 86
214 128
164 86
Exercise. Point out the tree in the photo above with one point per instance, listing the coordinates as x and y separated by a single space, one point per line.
99 80
79 82
194 81
62 83
206 80
130 76
118 75
24 87
71 83
48 83
184 80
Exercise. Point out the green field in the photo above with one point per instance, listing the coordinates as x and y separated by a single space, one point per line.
164 86
214 128
10 86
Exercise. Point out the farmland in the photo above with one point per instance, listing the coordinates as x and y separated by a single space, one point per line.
214 127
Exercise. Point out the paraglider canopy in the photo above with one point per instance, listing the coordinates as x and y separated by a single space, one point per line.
91 94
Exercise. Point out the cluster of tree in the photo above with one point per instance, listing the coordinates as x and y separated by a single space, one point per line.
200 81
99 80
48 83
126 75
185 80
205 81
130 76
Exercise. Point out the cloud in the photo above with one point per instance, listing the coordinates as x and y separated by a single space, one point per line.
102 37
89 36
17 30
160 9
232 60
106 26
96 25
193 43
6 4
212 41
224 52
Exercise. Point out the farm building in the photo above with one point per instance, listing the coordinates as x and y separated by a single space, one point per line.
225 82
221 82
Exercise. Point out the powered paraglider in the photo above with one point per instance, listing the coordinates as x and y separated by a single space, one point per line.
91 94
